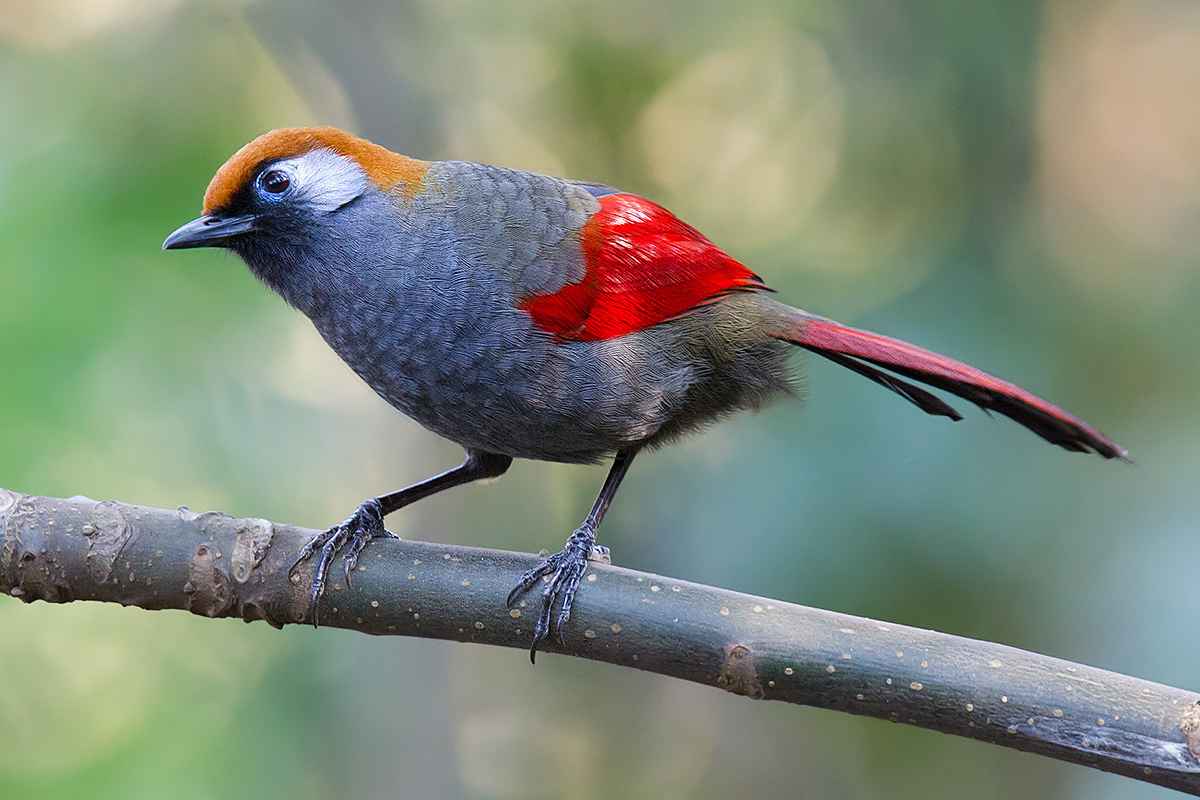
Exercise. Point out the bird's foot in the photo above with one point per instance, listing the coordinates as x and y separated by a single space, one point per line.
352 533
564 570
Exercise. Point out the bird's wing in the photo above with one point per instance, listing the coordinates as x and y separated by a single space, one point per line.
643 266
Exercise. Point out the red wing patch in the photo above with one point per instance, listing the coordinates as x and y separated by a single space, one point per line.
644 266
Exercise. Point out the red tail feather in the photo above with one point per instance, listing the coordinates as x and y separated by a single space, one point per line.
845 345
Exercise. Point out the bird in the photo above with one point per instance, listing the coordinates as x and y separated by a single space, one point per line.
527 316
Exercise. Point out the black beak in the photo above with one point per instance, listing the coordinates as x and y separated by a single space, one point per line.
209 231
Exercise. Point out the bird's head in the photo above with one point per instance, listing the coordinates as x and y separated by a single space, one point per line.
292 178
291 192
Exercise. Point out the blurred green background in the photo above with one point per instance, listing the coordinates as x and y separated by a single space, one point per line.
1013 183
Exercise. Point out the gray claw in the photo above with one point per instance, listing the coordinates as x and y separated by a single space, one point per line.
565 569
356 531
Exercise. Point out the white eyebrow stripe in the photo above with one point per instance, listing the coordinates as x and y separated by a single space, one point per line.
324 180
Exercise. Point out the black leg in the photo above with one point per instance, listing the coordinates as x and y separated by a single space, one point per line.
366 522
567 567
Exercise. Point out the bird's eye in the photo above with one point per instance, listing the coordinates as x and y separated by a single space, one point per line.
275 181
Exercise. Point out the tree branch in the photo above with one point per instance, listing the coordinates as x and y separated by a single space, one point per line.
218 566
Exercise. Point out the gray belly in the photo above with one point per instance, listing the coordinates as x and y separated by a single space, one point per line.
493 382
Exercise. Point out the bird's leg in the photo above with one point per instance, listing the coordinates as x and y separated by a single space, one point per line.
366 522
566 567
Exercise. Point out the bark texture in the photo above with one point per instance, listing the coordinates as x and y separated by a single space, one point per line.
214 565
